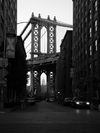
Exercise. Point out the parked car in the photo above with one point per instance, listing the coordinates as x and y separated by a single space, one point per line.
95 104
50 99
67 101
80 102
30 100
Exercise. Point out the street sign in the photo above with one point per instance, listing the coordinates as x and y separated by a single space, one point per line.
11 42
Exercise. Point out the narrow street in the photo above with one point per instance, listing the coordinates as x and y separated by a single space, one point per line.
46 117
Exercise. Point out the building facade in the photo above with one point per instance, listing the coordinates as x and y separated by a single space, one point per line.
8 21
64 67
8 25
17 75
67 44
86 48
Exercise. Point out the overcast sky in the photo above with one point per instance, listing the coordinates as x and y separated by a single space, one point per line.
62 9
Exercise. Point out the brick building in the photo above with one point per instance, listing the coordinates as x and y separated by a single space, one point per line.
86 48
17 75
8 25
8 20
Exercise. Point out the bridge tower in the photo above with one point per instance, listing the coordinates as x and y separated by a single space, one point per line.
37 25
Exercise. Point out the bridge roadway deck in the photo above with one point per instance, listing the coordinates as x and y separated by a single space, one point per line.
43 60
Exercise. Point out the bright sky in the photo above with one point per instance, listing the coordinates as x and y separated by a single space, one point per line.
62 9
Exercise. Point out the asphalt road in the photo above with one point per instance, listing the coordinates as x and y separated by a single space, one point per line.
44 117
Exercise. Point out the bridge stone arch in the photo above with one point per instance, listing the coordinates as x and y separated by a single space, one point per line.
50 80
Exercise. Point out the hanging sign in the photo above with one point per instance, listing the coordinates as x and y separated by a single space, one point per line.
11 42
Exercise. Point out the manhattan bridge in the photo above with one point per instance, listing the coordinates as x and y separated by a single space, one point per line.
42 62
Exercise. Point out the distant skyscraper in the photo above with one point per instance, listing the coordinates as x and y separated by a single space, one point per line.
43 82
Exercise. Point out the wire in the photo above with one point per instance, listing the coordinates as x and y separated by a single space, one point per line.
27 45
28 51
31 42
21 22
43 34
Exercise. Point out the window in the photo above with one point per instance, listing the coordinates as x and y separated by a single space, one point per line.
90 32
96 48
90 50
90 14
95 25
95 69
96 5
85 51
90 68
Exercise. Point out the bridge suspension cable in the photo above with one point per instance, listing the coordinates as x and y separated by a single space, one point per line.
34 19
25 27
59 23
28 45
28 51
43 34
31 42
23 22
